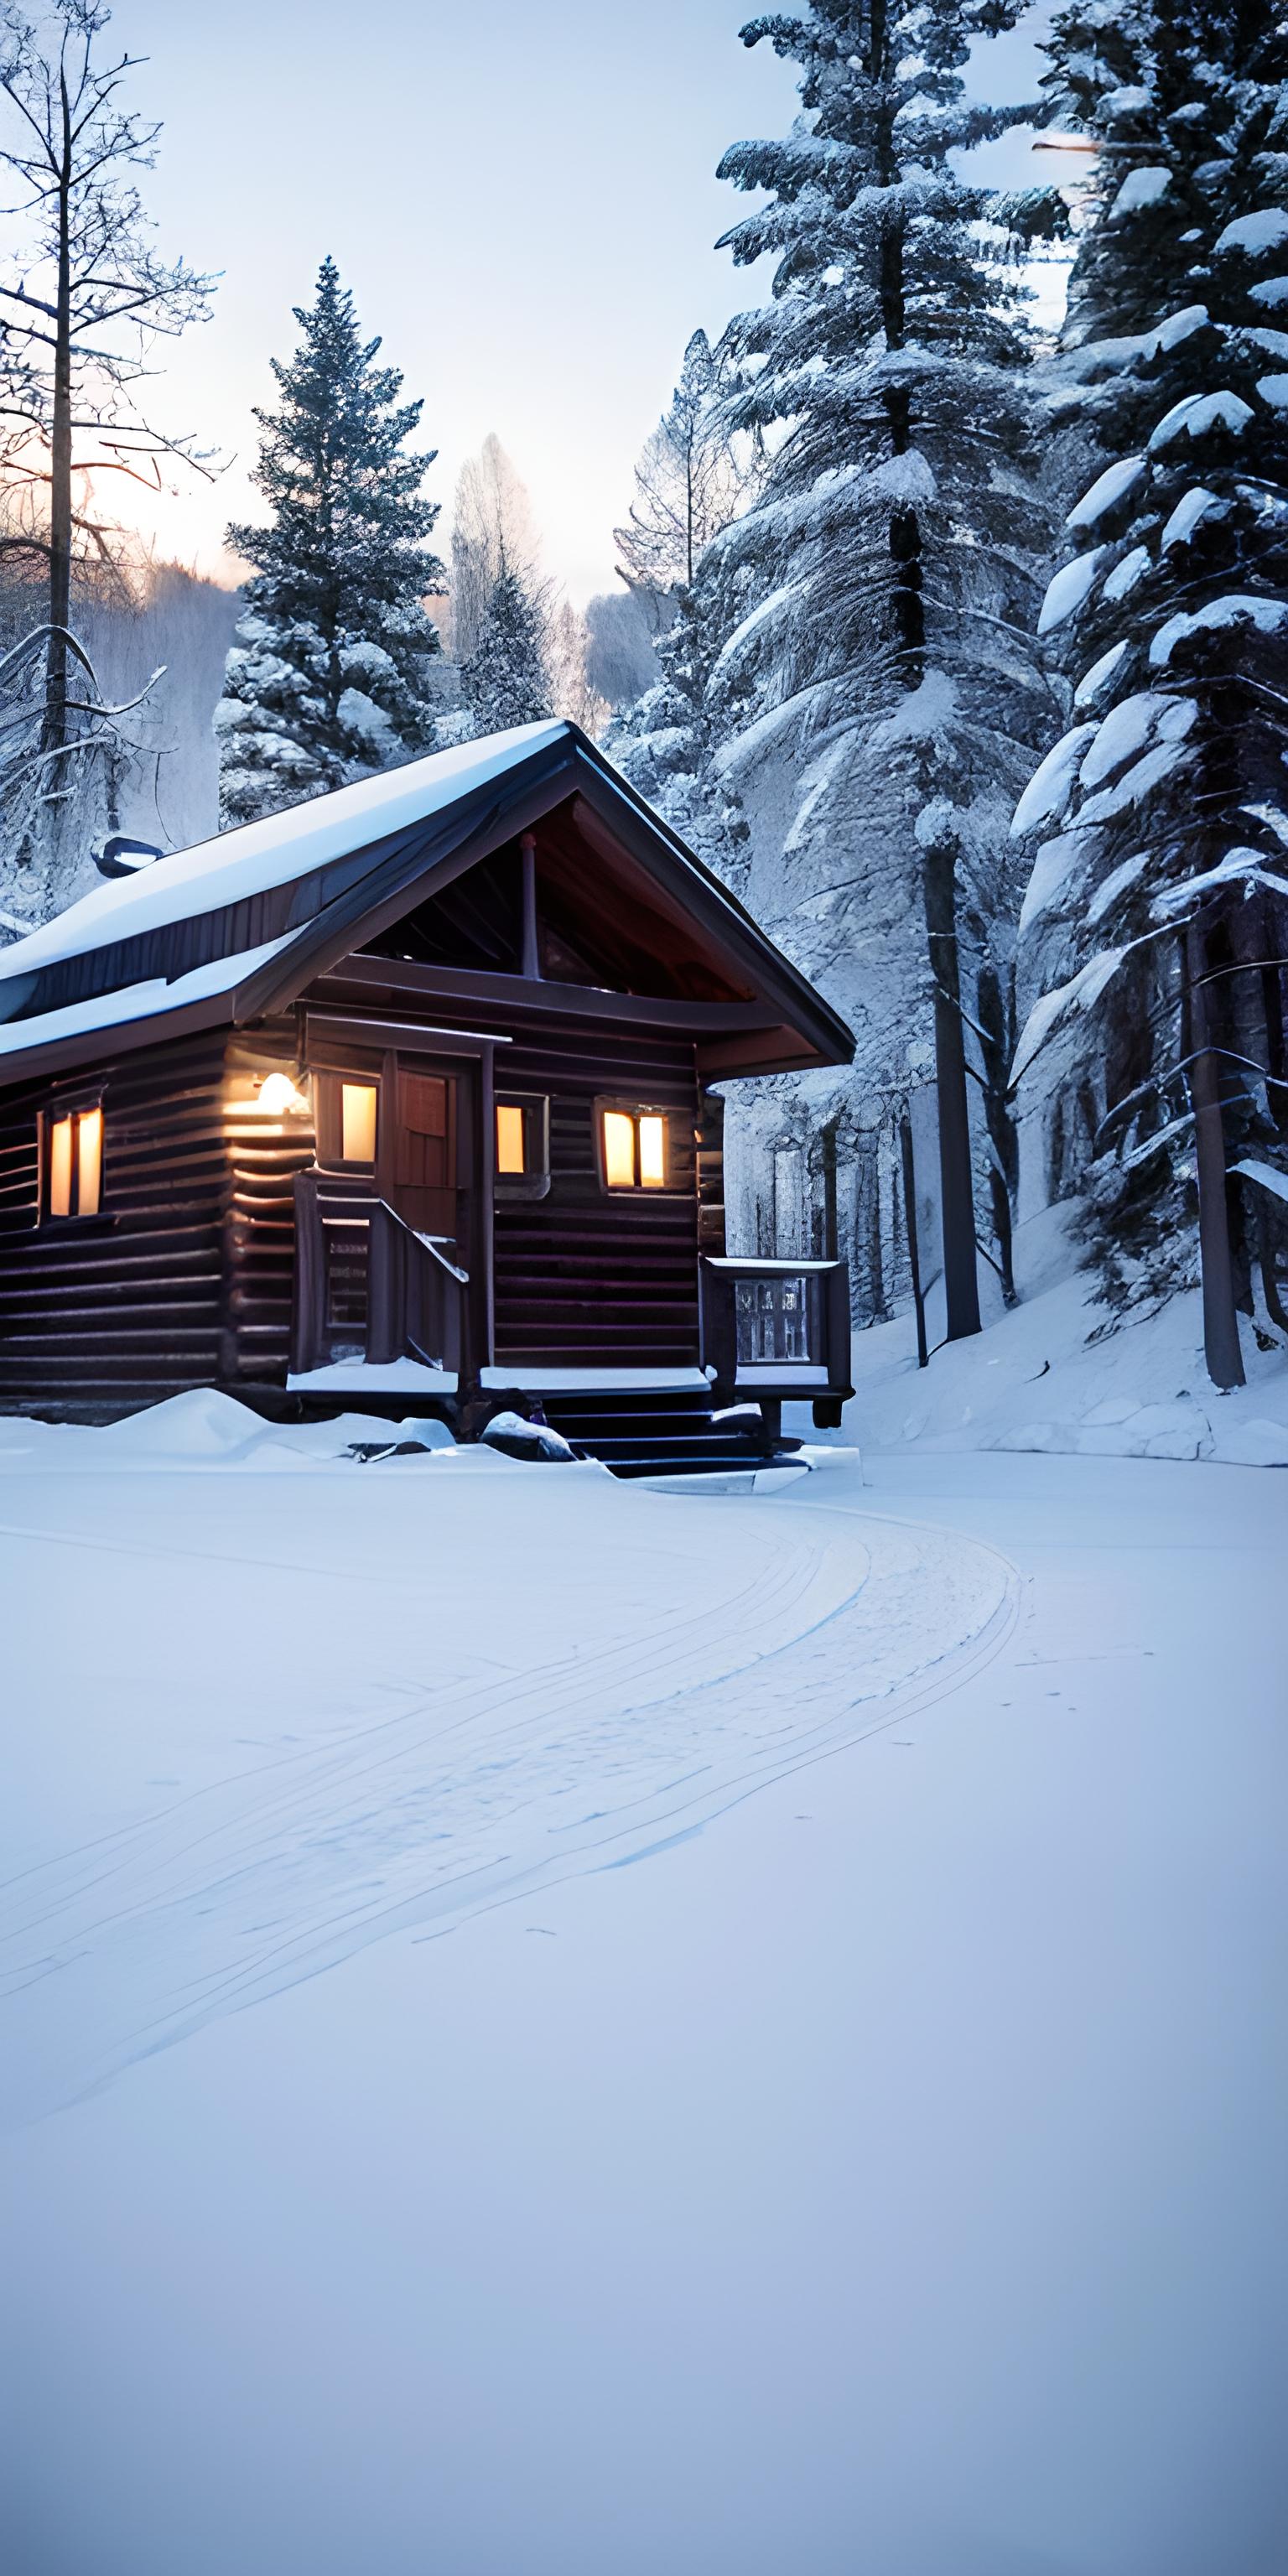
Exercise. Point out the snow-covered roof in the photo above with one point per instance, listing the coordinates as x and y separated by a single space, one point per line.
137 1001
237 925
276 851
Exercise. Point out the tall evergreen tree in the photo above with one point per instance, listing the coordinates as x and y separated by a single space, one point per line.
891 558
504 681
1155 924
668 741
327 678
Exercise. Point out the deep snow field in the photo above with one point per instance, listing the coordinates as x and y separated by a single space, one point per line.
554 2027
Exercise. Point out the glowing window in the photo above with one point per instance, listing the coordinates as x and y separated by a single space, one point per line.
510 1140
522 1128
619 1150
652 1153
89 1161
75 1170
357 1122
634 1149
60 1168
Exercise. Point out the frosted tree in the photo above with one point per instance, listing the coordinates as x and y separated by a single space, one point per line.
888 573
84 300
694 475
504 681
666 742
572 692
491 526
327 680
690 481
622 627
1156 923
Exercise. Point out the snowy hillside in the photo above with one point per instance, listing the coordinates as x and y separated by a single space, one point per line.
1048 1377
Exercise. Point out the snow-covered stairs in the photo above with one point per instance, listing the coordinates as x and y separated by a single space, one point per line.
664 1435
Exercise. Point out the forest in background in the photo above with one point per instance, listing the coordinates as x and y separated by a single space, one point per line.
953 644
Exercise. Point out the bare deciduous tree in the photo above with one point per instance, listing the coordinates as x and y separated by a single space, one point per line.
491 527
690 480
83 296
572 692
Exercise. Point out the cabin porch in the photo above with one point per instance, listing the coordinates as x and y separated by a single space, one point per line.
388 1318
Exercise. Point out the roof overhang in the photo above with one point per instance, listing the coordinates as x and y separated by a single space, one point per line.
316 916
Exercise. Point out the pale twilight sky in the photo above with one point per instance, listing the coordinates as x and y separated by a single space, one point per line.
522 199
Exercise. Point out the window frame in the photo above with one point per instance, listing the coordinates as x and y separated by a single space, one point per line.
635 1109
535 1183
72 1107
327 1082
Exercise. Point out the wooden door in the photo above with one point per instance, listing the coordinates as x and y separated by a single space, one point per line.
425 1181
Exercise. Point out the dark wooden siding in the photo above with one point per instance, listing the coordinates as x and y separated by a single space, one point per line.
100 1313
582 1277
264 1156
186 1277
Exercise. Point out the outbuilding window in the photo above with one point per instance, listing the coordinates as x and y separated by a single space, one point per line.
633 1147
73 1162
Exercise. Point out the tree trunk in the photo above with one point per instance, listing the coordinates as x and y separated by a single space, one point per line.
910 1220
961 1288
997 1019
957 1199
54 729
1220 1320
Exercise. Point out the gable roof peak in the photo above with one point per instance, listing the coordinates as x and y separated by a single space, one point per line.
279 848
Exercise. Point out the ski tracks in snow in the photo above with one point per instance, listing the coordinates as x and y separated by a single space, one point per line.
757 1637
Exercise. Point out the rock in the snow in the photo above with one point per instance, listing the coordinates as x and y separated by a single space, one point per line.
534 1441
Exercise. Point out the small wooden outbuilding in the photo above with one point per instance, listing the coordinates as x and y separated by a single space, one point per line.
403 1098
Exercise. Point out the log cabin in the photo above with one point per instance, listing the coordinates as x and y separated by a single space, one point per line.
403 1099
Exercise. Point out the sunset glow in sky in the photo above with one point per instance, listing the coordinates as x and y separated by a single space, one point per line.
524 203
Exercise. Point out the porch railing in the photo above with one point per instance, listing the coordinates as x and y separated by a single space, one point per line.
777 1329
369 1287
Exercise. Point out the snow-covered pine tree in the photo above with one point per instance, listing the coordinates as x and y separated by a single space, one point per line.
889 570
327 678
667 742
1155 924
504 680
692 479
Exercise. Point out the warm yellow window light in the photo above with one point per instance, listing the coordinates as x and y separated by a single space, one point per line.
509 1138
653 1153
619 1150
89 1161
60 1168
357 1122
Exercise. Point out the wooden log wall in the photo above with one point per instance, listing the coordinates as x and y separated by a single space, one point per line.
99 1314
186 1276
263 1157
584 1277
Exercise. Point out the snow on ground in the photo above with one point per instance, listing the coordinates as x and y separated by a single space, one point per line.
883 2171
416 1687
1036 1380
